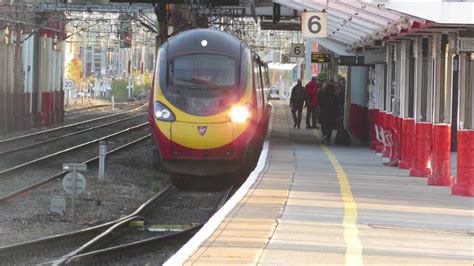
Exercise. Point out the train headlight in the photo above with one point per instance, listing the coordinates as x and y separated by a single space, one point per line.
163 113
240 113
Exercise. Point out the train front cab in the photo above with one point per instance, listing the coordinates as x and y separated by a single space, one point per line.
198 144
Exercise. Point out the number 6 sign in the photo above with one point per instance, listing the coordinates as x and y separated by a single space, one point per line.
314 24
297 50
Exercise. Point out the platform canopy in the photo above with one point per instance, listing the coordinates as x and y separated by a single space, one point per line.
353 23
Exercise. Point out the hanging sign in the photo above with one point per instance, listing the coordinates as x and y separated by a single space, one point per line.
285 59
297 50
314 24
320 58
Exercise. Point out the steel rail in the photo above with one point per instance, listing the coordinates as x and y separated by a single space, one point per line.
93 256
70 125
85 108
67 135
8 253
47 157
22 191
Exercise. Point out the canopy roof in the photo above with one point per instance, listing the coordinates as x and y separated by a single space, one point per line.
355 23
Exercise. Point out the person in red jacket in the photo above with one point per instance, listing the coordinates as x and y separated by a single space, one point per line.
312 103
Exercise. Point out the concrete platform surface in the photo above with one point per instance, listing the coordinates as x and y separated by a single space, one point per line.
317 204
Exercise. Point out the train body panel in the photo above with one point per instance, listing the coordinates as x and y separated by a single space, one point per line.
208 107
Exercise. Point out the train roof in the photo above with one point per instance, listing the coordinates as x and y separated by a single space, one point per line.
205 41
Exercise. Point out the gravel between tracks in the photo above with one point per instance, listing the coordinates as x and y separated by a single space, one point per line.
130 180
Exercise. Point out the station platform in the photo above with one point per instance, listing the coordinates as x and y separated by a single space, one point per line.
316 204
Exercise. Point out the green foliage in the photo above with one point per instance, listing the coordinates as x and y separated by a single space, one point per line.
74 72
119 88
141 85
156 186
323 76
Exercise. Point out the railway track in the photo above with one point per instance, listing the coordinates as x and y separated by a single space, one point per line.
87 151
14 166
119 241
24 141
24 190
55 246
86 108
25 148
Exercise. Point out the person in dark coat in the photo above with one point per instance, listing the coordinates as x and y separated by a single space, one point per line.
329 112
341 98
312 103
297 99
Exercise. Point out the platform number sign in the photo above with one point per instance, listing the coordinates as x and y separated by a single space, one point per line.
314 24
297 50
285 59
69 84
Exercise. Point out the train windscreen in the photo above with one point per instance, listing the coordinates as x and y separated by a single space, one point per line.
203 71
203 84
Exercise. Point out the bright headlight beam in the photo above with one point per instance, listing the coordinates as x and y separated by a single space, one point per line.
239 114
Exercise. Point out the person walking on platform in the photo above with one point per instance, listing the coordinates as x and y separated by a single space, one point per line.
341 98
329 111
297 100
312 103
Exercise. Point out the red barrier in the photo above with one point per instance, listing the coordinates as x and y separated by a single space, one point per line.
54 111
18 111
46 108
387 124
57 105
380 123
422 156
396 137
3 130
441 156
9 112
61 106
359 122
373 121
36 111
408 136
27 117
465 168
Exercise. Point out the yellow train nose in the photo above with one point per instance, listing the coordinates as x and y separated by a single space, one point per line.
202 136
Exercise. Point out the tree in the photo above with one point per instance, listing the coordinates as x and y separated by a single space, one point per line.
74 72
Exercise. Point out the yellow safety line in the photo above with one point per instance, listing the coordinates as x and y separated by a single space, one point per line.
351 233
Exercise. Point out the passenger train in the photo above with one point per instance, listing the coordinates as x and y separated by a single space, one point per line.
209 107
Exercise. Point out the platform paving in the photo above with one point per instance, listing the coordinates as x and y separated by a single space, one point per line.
320 205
